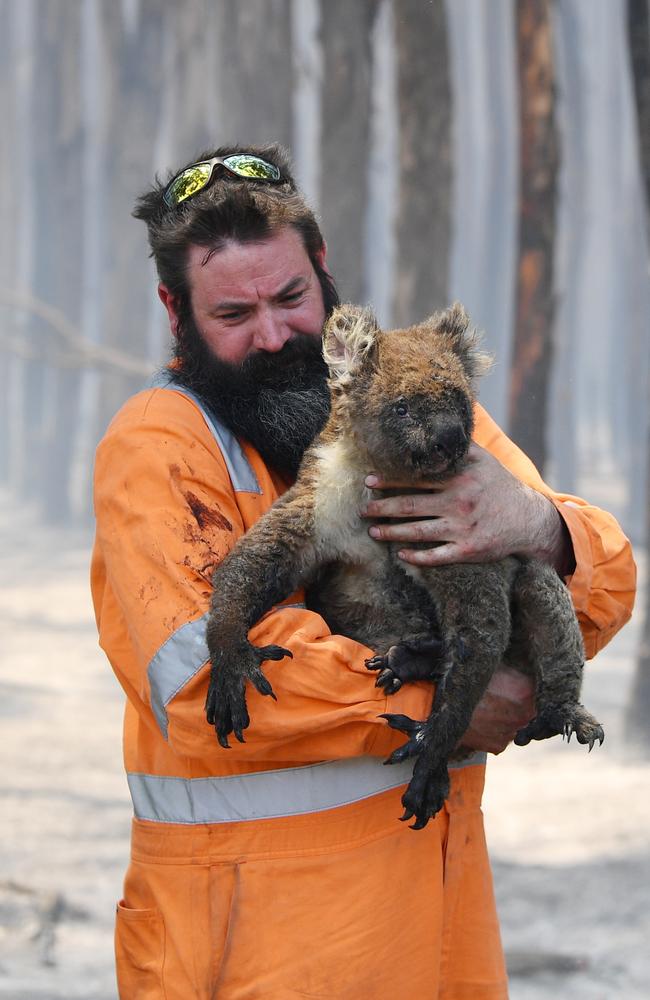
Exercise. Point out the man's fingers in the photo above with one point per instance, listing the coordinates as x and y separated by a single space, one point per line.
429 530
406 505
438 555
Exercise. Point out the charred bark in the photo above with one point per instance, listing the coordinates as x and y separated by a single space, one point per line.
135 52
423 214
534 305
346 34
254 71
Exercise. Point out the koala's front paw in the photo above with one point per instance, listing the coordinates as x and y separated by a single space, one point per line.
416 660
225 705
426 792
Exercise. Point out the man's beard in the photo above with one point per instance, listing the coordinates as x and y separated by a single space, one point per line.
276 401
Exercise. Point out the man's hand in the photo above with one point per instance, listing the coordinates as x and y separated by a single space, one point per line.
482 514
506 707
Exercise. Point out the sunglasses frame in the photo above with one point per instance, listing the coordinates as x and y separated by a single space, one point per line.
216 161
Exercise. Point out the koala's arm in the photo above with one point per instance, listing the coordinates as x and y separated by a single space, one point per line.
166 517
603 582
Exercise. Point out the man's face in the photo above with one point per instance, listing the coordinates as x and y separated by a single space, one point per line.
251 297
251 344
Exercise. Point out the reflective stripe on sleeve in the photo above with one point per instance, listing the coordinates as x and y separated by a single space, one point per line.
239 468
177 661
291 791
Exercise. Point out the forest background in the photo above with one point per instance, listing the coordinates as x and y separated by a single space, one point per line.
494 151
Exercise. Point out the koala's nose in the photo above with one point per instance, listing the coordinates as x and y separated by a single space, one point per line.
449 438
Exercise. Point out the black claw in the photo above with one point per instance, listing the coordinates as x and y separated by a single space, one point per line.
223 740
400 754
420 823
374 662
401 723
407 816
275 653
238 735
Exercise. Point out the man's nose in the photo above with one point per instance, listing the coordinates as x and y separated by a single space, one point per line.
270 334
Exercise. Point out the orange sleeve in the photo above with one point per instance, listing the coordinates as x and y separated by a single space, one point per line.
603 584
166 514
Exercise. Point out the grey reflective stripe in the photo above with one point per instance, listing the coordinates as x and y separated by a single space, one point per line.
176 663
239 468
292 791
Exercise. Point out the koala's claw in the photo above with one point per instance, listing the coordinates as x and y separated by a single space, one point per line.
564 720
426 793
225 705
415 660
414 730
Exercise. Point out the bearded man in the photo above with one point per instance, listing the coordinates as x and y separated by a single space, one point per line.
277 868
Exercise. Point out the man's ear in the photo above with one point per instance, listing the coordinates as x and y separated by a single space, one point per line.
321 257
170 303
349 339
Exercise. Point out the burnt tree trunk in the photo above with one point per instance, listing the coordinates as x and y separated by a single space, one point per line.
59 253
638 22
423 211
346 38
254 71
134 49
534 305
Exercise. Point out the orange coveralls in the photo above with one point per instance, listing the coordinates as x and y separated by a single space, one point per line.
278 869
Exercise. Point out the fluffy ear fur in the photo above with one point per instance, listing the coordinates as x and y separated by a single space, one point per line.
466 339
349 339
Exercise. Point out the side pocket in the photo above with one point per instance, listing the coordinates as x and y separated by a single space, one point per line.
139 953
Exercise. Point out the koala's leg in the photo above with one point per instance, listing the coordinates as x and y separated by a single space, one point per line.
546 629
473 609
266 565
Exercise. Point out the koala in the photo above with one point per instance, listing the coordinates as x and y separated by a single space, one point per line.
402 405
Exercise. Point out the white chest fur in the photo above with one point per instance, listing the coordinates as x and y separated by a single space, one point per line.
340 494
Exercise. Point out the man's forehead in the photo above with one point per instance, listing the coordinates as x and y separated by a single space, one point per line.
274 261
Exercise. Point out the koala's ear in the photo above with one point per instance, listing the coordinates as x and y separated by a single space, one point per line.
466 340
349 338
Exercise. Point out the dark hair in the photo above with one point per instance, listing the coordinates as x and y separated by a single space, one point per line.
228 208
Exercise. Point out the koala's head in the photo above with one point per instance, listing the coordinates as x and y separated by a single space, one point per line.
406 396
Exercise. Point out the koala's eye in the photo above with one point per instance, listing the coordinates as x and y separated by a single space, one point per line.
401 409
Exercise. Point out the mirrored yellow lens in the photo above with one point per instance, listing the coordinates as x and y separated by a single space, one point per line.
188 183
252 166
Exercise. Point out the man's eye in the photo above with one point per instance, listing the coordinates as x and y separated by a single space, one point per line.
293 296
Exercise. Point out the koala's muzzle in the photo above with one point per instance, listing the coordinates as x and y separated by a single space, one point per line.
448 439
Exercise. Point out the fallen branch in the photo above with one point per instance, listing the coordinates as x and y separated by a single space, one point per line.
83 353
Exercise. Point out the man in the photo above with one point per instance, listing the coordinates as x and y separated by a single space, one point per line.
277 868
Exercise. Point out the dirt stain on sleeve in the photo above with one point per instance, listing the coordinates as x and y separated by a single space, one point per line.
206 517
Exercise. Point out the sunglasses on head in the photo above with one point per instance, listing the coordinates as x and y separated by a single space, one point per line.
196 177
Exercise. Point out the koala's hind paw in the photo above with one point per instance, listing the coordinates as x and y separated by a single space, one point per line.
225 705
564 720
426 793
414 730
417 660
